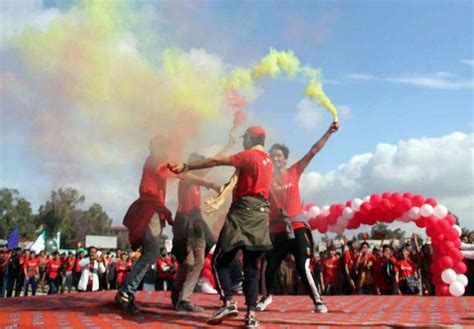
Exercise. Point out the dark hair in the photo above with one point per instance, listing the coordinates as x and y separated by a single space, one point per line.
331 248
256 140
162 248
90 248
364 244
350 243
193 157
284 149
386 246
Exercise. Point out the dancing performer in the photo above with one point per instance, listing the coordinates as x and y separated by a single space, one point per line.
288 228
246 225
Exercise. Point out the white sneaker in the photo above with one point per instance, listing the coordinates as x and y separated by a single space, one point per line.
320 308
264 302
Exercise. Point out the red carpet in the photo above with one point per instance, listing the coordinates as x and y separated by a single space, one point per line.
96 310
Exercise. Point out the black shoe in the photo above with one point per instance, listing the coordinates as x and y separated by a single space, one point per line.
174 296
251 322
224 313
188 307
127 303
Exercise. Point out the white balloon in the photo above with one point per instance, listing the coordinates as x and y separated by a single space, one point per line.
426 210
314 211
462 279
325 210
347 213
456 289
332 228
342 221
414 213
458 229
339 229
440 211
355 205
448 276
367 198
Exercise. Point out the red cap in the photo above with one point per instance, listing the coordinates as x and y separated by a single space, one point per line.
255 131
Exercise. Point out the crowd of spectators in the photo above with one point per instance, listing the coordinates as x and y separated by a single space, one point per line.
339 267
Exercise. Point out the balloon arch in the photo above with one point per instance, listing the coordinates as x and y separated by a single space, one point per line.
447 267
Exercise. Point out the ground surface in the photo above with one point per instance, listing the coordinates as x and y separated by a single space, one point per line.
96 310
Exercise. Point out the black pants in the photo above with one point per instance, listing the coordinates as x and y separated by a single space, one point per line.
221 266
301 248
13 281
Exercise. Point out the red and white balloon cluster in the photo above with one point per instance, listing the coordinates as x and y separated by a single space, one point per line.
447 267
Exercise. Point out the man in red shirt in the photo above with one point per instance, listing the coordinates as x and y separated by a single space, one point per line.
192 238
53 268
166 271
288 227
246 225
31 271
406 276
365 267
145 220
68 264
384 271
122 268
331 272
350 271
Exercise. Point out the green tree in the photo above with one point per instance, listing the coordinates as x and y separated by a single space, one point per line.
380 230
16 210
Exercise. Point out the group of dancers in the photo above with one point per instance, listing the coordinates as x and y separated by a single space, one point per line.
265 219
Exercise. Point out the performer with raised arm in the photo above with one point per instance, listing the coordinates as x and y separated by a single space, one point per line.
246 225
192 238
146 218
288 228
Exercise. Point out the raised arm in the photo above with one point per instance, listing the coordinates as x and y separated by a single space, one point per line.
202 164
198 180
306 159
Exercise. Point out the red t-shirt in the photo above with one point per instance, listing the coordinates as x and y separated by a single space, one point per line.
331 270
285 194
405 269
255 173
154 178
122 269
350 259
164 262
31 266
53 267
378 276
69 263
369 257
189 196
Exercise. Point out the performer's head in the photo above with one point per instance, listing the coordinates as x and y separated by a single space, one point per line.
254 135
279 154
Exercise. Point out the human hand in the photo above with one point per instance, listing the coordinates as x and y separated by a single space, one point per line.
176 168
334 127
231 140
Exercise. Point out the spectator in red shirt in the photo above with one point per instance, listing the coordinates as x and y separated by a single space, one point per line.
406 276
365 267
350 271
289 229
4 256
384 271
122 267
331 272
43 260
246 225
166 270
68 265
31 271
53 274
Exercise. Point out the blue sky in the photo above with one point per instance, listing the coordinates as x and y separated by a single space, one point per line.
401 70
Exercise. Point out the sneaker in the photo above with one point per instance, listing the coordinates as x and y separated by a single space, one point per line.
188 307
263 303
127 303
320 308
223 313
251 322
174 296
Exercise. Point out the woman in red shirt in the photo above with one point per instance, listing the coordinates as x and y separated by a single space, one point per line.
31 270
331 272
53 274
406 276
122 267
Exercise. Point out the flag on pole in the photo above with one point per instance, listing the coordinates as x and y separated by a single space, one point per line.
13 238
40 243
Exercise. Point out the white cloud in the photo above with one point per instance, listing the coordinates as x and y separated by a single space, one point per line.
468 61
437 80
308 114
434 167
15 16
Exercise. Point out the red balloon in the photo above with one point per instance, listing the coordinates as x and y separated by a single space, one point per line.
451 219
445 262
436 279
418 200
451 234
457 255
431 201
331 219
437 239
457 243
308 206
431 231
442 225
460 268
324 227
442 290
365 208
375 199
349 203
406 204
434 267
312 223
386 195
447 247
420 222
408 195
396 197
430 222
386 204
